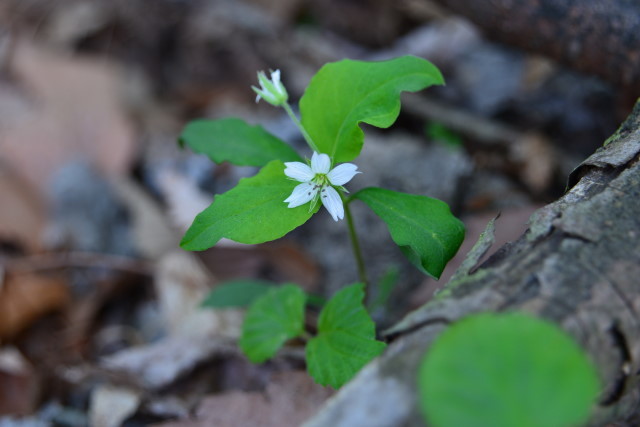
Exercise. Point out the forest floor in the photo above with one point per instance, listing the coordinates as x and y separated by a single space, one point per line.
100 316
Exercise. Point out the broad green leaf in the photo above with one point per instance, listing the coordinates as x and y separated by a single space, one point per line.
272 319
424 228
236 293
505 370
252 212
235 141
345 93
345 341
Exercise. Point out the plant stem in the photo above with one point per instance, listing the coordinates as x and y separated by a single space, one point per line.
295 120
355 244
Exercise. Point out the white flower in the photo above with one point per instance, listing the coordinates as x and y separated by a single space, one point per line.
318 182
272 91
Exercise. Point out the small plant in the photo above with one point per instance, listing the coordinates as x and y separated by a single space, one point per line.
287 192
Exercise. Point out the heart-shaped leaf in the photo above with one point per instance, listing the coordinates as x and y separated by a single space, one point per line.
345 93
424 228
272 319
235 141
345 341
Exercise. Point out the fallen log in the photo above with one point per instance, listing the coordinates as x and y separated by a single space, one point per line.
599 37
578 264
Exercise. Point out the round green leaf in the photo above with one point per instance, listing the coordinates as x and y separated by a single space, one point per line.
272 319
506 370
234 140
424 228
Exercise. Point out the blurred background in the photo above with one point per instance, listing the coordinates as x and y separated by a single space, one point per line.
100 317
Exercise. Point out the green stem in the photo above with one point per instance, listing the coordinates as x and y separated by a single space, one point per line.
295 120
355 244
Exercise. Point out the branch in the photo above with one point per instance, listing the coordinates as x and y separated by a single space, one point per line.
595 36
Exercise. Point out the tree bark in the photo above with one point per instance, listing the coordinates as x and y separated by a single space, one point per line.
595 36
578 264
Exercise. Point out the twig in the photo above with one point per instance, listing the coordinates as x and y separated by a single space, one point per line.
57 261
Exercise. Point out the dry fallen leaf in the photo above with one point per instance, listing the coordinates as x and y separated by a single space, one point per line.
19 383
184 199
110 406
25 297
181 285
153 235
22 216
158 365
538 160
59 109
290 399
195 334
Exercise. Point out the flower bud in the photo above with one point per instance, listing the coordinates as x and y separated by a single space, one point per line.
272 91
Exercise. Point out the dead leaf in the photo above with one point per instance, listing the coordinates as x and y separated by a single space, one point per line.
153 235
538 161
110 406
158 365
65 109
290 399
184 198
182 284
22 217
19 384
26 297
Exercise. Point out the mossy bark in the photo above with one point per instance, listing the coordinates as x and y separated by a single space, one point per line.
578 264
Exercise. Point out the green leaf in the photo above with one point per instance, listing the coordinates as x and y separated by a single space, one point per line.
505 370
440 133
272 319
345 93
345 341
252 212
424 228
235 141
236 293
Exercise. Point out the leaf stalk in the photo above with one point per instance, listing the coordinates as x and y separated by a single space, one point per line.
304 132
355 245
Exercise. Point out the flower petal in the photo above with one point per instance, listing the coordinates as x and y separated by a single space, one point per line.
331 200
298 171
320 163
275 76
303 193
343 173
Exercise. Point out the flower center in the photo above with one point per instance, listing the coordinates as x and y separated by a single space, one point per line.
320 180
